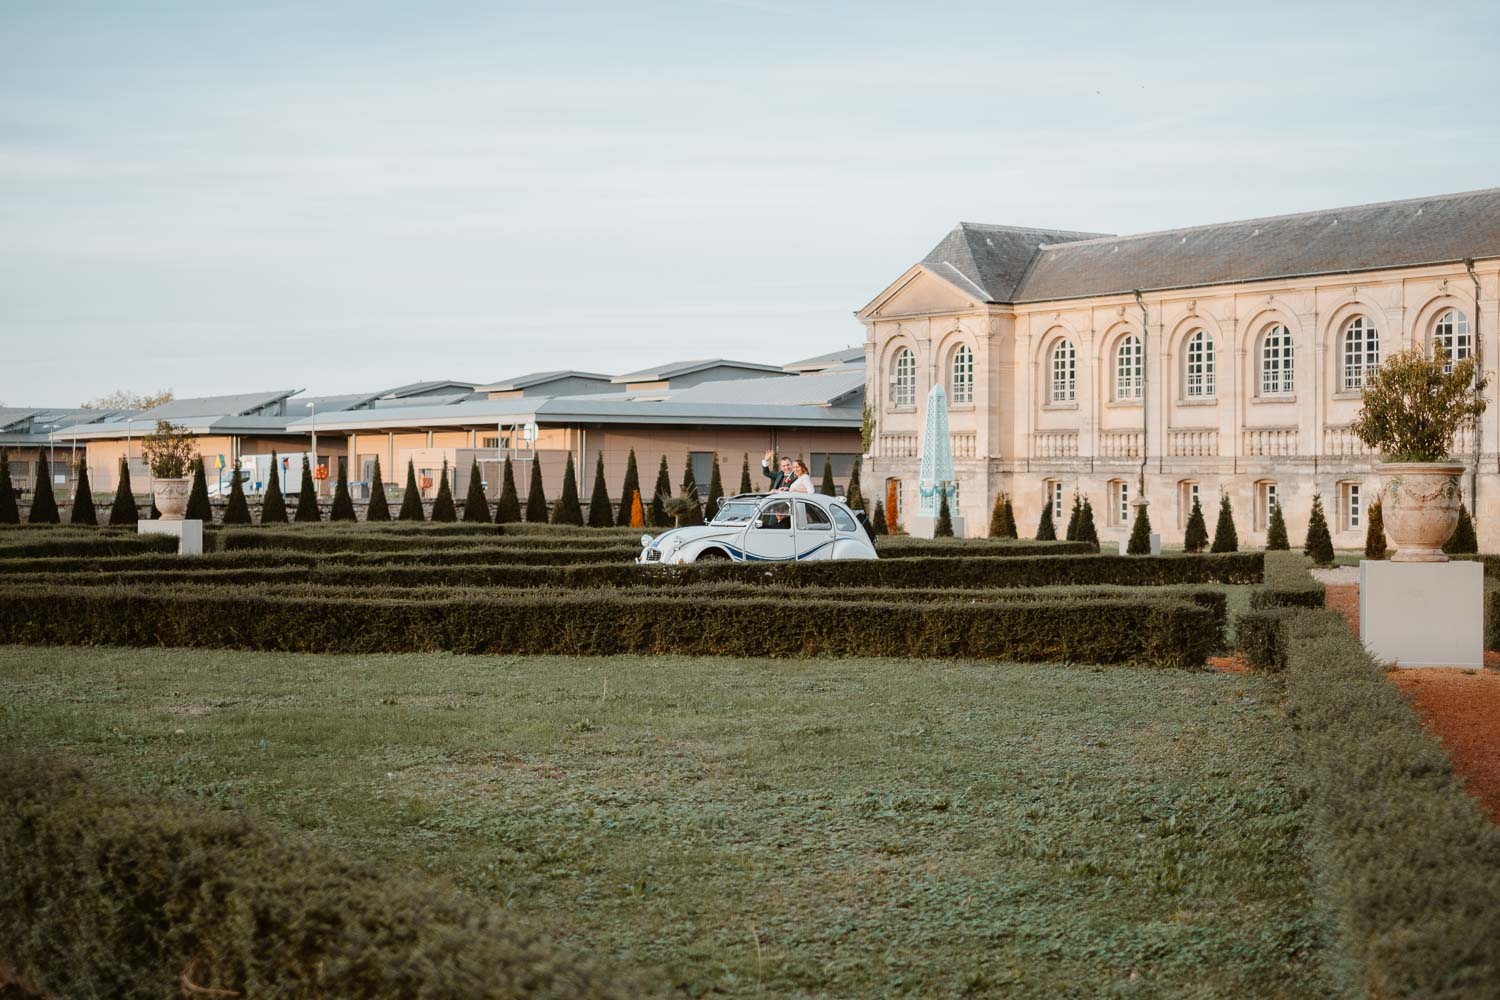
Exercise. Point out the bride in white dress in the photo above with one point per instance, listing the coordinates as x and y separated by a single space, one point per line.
803 483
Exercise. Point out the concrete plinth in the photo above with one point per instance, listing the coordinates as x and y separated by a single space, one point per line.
1423 614
189 534
1155 544
923 527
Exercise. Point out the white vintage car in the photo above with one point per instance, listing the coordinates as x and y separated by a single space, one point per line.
766 527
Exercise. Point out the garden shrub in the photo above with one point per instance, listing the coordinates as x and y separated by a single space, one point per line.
10 513
476 504
568 510
1010 530
443 509
746 486
660 495
1288 584
601 514
943 528
1088 532
628 488
307 497
378 510
198 507
1074 516
1140 533
1261 636
411 499
892 516
855 497
43 501
689 493
123 511
83 512
1464 541
1375 547
508 507
716 491
1195 538
1226 537
1319 544
536 496
997 517
1276 538
343 503
1046 531
78 551
237 511
878 522
827 486
273 505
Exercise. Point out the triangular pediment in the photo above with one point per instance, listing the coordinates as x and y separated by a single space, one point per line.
922 290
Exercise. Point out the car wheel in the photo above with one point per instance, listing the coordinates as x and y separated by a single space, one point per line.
712 555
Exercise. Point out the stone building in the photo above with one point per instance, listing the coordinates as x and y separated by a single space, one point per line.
1214 358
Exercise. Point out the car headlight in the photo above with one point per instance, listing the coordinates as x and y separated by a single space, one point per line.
646 541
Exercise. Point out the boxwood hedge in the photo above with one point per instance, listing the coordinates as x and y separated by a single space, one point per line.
1288 584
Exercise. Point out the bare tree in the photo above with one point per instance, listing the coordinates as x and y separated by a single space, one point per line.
124 399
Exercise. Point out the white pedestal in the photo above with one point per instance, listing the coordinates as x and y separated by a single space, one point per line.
1155 544
189 534
923 527
1422 614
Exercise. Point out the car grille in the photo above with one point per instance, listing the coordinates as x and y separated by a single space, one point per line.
653 555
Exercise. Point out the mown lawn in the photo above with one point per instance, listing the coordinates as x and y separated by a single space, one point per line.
843 828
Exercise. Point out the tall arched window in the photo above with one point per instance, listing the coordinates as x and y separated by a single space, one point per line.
961 381
1130 370
1361 351
904 379
1198 372
1452 331
1276 361
1064 372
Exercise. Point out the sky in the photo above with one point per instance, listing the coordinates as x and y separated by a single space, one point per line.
342 197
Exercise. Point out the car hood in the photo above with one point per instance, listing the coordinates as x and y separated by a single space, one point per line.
695 533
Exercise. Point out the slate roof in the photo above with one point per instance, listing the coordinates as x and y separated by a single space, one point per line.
213 406
538 378
823 362
990 261
663 373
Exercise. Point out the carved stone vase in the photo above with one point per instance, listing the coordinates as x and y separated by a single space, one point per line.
171 496
1419 502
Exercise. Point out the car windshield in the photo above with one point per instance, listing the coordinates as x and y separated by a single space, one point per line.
734 513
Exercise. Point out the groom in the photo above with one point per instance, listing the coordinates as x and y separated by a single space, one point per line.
779 480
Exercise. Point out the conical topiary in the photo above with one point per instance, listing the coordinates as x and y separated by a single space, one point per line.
1046 531
1140 533
1195 538
629 488
273 504
944 526
343 503
198 507
1375 547
855 498
123 511
379 508
83 511
536 497
307 497
1276 540
997 517
690 492
827 487
411 500
1071 535
43 501
1226 538
715 491
892 517
476 504
1011 531
10 512
568 509
746 486
660 495
1087 530
637 512
237 510
1464 540
1319 543
508 507
878 521
601 515
443 509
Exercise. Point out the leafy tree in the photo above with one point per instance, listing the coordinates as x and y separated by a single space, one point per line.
1071 535
307 497
343 503
601 514
637 513
1464 541
1375 533
1087 531
10 513
944 526
855 497
411 500
1276 540
1046 531
476 504
198 507
379 508
442 507
690 492
1195 539
715 492
997 517
83 511
630 487
827 488
273 506
237 511
1011 531
568 510
1414 403
536 497
508 508
124 399
659 497
1319 543
1226 538
43 502
1140 533
123 511
746 486
878 521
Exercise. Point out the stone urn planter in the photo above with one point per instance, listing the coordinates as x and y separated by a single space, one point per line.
171 496
1419 501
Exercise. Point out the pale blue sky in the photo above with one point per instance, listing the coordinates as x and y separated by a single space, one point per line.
350 196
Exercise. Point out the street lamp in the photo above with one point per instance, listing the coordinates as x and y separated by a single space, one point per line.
318 482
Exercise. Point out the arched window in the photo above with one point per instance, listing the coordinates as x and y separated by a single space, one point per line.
961 382
1130 370
1198 373
904 379
1361 351
1276 361
1452 331
1064 372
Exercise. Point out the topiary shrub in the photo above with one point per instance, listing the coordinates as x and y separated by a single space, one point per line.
1261 638
83 512
10 512
1046 531
689 492
43 502
855 497
198 507
273 504
1464 541
1140 533
892 508
1226 538
343 503
878 522
536 497
746 486
476 504
1011 531
443 510
715 492
660 495
237 511
944 526
379 508
123 511
1319 544
508 507
827 487
307 497
1195 538
601 514
1375 547
1087 530
637 512
1276 540
997 517
411 500
568 510
629 488
1071 534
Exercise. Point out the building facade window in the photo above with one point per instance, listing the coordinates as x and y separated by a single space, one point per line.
1119 503
1188 493
1199 361
1452 331
1276 362
904 379
1054 496
1351 507
1266 500
703 470
1361 352
1064 372
961 377
1130 370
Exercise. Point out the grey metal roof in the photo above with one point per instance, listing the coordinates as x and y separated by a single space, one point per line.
822 362
418 388
990 261
663 373
214 406
539 378
816 389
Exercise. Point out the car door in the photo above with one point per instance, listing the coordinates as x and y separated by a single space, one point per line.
772 536
814 531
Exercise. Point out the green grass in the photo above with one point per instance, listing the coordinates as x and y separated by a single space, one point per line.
845 828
